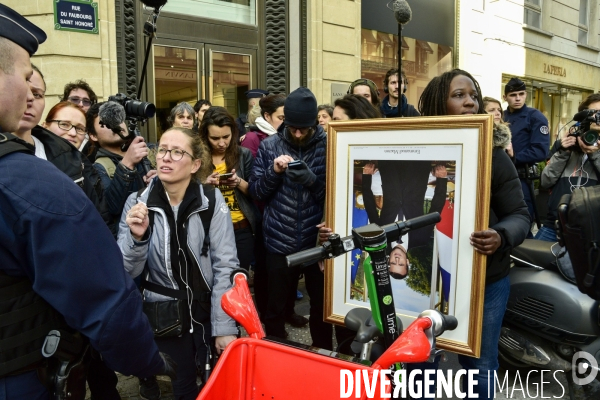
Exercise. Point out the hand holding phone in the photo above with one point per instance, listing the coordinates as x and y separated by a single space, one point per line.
224 177
296 164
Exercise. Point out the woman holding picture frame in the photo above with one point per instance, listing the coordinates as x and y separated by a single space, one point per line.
457 93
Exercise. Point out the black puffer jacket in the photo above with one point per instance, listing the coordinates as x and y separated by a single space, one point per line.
508 211
71 162
292 211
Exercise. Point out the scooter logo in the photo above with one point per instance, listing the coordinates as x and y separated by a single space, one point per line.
387 300
580 367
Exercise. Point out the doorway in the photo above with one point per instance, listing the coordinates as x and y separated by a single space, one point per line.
188 72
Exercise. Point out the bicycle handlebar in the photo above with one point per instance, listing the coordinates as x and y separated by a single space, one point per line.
309 256
343 245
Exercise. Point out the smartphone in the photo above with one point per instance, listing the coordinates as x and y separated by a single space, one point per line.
224 177
296 164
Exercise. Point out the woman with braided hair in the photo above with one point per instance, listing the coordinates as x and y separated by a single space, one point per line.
457 93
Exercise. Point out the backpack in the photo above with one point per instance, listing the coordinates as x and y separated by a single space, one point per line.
108 165
578 229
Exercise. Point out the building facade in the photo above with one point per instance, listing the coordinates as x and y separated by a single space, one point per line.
218 49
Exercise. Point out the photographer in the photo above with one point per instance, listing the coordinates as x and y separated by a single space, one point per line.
121 172
575 164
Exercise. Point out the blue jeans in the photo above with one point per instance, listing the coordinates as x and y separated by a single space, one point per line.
546 234
494 306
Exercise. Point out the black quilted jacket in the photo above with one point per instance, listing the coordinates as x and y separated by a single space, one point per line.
292 211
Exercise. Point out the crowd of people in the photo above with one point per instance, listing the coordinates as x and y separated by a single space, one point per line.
223 193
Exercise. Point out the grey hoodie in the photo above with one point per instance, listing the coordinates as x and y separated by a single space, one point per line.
156 251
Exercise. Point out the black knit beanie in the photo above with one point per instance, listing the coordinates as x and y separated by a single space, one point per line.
300 109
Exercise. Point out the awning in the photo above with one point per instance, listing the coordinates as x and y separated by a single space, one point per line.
404 44
444 49
424 46
385 37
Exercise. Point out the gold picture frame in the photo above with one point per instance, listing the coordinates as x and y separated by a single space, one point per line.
459 146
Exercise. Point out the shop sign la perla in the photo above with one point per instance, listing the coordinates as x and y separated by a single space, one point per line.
554 70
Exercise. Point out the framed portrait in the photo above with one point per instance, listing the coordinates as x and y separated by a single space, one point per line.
386 170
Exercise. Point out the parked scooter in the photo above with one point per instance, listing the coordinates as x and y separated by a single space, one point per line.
547 318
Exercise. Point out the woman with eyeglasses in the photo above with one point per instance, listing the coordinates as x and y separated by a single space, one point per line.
46 143
231 167
177 234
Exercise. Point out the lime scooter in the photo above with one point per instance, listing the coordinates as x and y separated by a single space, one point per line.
373 239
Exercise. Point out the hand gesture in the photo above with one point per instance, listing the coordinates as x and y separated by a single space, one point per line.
136 151
568 142
212 179
509 150
588 149
137 219
221 342
369 169
281 162
148 177
486 242
233 181
324 233
439 171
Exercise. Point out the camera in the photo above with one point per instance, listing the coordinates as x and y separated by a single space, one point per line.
583 129
134 108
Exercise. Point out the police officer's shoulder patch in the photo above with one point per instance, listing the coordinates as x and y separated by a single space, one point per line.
544 129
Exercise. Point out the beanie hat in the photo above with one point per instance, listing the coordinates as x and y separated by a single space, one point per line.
300 109
514 85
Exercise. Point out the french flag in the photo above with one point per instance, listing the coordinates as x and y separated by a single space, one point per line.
443 237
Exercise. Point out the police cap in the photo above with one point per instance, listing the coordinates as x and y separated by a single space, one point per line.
514 85
256 93
16 28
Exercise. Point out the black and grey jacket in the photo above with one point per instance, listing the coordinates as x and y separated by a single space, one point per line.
156 250
566 170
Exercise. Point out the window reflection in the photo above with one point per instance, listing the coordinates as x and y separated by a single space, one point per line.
241 11
175 80
230 80
421 60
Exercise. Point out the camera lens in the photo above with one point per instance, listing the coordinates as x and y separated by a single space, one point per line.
140 109
590 137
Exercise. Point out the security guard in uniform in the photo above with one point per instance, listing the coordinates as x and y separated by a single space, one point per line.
61 271
253 96
530 138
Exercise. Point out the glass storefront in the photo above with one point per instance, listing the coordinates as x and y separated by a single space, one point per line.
557 102
421 60
187 74
241 11
175 80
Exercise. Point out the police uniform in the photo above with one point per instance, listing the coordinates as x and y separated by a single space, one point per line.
242 120
61 268
530 141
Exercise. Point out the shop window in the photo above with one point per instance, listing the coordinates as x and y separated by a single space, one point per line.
584 17
421 60
532 14
241 11
175 80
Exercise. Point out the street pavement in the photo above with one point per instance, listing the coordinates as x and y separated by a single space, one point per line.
517 385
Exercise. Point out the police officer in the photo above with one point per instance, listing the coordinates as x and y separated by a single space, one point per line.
530 138
253 97
60 267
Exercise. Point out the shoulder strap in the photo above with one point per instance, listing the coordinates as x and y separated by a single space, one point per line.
206 216
108 165
9 144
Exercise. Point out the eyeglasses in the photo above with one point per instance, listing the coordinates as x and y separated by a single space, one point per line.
292 129
67 126
78 100
176 154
